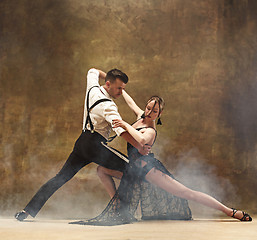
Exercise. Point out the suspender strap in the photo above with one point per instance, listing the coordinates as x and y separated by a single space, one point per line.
111 138
97 102
88 120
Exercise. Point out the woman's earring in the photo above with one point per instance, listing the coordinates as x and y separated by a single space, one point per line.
159 122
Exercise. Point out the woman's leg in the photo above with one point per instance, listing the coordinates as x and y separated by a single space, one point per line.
172 186
105 176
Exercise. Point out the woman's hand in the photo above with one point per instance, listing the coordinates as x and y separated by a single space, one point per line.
119 123
145 150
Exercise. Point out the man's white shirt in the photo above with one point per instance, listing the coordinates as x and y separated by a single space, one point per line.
103 113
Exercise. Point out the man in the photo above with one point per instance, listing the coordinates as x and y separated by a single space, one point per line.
99 111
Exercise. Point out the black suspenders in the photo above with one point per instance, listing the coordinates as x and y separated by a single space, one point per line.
88 120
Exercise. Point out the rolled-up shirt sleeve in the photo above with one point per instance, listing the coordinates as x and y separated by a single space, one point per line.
111 113
92 78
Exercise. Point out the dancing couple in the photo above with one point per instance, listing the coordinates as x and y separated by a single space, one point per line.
144 180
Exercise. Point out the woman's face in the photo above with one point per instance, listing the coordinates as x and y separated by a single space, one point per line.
152 110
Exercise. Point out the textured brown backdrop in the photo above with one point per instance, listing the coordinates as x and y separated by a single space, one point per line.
200 55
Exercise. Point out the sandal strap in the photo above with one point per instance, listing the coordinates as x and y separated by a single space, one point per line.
245 215
234 212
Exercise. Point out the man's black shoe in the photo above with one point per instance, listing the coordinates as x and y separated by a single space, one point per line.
20 216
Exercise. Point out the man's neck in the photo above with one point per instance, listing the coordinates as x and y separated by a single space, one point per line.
105 87
105 91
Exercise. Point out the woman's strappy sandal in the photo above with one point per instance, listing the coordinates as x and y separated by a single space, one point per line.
244 218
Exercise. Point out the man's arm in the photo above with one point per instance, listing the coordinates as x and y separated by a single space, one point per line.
102 74
110 112
93 77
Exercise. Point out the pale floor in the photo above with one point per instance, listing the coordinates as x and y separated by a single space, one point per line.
46 229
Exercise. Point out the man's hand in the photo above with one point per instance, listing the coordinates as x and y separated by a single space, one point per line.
145 149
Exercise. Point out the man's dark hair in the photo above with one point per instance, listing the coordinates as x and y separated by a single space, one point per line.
116 73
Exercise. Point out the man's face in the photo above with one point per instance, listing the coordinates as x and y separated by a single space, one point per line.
115 88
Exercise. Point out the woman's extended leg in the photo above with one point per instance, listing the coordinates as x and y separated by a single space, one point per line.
105 176
172 186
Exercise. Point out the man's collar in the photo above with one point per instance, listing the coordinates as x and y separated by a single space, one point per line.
105 92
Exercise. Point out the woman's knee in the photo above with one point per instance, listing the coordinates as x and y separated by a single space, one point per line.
101 171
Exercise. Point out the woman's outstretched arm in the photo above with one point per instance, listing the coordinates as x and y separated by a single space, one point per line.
131 103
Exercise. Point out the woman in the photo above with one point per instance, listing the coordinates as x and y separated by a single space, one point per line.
146 170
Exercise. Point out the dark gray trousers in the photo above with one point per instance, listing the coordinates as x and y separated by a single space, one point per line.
87 149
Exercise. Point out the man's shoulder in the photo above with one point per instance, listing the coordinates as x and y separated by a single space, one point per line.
96 94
